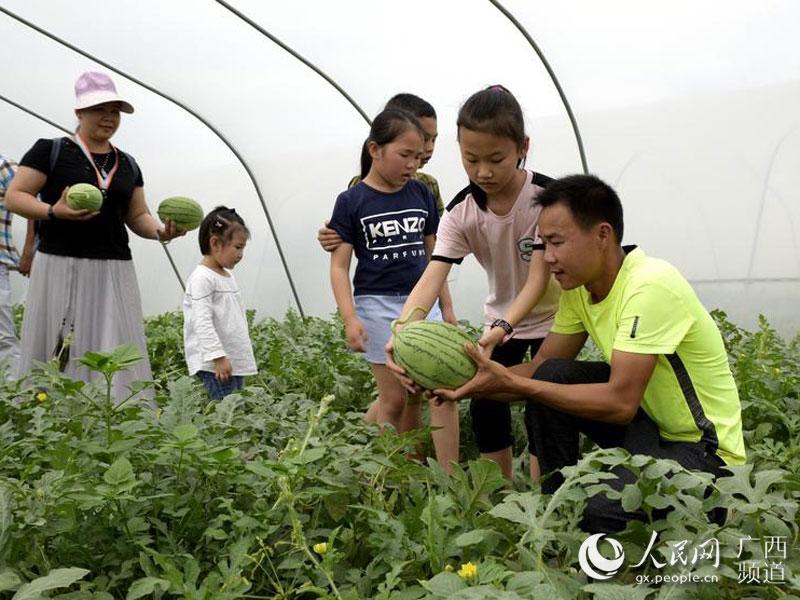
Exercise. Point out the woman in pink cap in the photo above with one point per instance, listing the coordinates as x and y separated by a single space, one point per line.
83 294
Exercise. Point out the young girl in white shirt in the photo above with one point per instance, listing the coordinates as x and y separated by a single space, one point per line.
215 336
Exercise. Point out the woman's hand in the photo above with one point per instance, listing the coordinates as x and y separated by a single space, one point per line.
490 339
169 231
398 371
356 335
61 210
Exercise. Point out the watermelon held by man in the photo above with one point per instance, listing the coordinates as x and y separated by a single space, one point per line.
432 354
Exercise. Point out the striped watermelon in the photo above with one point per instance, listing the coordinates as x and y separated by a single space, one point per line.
185 212
432 354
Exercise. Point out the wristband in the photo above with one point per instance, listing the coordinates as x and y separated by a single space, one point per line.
505 326
51 213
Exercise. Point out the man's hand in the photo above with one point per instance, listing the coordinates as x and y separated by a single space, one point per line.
223 369
491 377
328 238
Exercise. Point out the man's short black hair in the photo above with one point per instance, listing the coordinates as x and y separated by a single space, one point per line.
589 199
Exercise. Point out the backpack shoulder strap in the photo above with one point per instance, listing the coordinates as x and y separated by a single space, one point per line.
134 165
55 149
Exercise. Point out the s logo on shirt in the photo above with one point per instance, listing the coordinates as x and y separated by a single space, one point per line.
526 246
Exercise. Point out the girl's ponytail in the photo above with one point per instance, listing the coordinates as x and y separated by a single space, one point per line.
366 159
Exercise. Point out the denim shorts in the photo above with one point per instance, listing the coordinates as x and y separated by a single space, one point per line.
218 390
377 314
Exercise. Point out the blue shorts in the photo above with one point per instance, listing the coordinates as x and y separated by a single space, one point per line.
218 390
377 314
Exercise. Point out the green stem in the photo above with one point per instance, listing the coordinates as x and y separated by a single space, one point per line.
179 468
108 409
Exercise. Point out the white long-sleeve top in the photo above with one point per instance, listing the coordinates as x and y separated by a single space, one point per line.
215 323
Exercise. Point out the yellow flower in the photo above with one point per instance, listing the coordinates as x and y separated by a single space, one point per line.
41 396
449 568
321 548
776 371
468 571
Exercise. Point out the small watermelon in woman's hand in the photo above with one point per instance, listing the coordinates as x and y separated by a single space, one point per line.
432 354
84 196
184 212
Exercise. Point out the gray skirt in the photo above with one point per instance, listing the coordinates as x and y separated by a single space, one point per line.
94 301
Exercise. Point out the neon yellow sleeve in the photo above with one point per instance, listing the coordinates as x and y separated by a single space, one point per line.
653 320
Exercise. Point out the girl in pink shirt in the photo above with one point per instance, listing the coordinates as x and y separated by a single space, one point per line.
495 219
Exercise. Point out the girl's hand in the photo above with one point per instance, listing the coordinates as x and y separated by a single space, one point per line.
223 369
61 210
25 262
490 339
169 231
398 371
356 335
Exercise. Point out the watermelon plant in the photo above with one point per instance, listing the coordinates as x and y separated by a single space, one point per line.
281 491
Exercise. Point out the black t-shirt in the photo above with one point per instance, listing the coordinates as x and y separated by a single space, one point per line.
103 236
387 232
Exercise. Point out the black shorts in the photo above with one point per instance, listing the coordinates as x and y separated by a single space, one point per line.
491 420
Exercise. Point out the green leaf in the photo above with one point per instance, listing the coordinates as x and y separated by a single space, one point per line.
312 454
444 584
6 518
185 432
471 538
9 580
519 508
145 587
57 578
215 533
126 355
615 591
657 470
525 583
119 473
631 497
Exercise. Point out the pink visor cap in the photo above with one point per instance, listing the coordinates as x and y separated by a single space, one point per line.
93 88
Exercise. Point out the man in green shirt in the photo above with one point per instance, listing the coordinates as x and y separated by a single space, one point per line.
665 388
